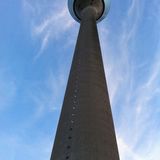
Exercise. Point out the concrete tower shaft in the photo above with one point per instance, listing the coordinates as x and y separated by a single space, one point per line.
86 130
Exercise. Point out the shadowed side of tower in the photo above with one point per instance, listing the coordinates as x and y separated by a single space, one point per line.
86 130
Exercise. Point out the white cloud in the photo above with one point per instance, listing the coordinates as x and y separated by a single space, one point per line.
48 96
7 89
18 146
116 67
126 152
52 24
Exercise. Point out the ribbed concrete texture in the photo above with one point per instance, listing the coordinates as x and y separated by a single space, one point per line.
86 130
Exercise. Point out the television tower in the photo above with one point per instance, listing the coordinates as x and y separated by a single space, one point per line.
86 130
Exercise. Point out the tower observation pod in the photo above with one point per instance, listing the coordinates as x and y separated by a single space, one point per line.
86 129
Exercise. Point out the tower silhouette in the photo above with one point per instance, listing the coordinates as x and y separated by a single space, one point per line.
86 130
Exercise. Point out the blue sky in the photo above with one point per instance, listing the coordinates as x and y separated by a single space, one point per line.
37 40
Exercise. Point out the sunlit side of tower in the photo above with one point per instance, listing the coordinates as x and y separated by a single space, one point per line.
86 130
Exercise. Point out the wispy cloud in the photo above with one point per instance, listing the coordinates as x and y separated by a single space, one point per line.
52 24
47 96
126 152
7 89
18 146
120 49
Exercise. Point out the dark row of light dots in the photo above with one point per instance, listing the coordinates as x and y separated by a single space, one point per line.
73 114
